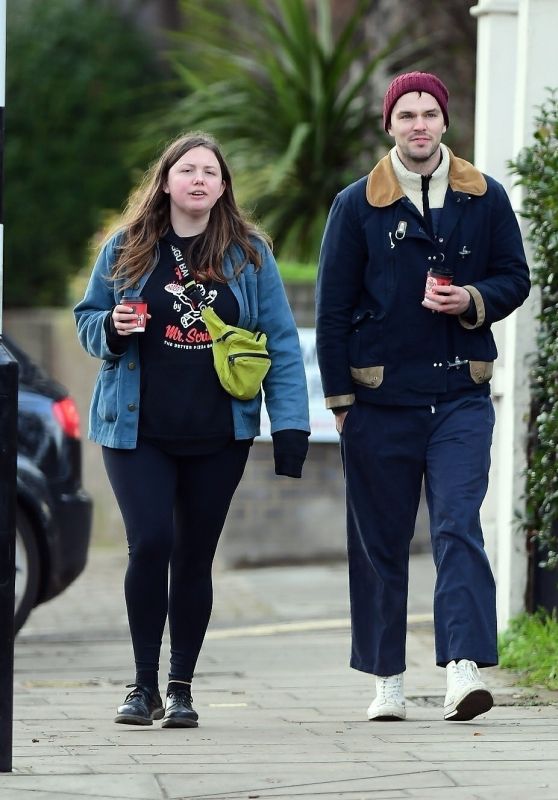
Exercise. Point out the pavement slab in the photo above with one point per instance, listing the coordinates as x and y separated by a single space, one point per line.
281 713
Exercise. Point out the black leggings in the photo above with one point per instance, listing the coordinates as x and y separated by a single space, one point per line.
174 509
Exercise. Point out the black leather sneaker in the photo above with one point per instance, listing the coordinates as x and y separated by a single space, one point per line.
141 706
178 710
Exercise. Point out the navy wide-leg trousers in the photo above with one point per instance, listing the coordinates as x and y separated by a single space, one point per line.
386 452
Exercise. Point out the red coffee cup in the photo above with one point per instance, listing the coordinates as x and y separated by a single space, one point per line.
140 309
437 277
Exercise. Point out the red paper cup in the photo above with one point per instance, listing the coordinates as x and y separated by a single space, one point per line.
434 279
140 309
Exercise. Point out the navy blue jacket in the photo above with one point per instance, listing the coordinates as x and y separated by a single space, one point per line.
375 341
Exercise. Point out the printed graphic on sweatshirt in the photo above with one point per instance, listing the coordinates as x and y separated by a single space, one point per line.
189 331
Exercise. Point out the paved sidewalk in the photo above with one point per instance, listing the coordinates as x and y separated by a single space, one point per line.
281 714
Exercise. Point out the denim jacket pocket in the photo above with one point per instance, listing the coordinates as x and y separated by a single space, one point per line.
107 383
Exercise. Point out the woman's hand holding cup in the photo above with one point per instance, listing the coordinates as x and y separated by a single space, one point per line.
130 316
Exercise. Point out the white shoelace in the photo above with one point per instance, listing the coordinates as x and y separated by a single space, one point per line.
389 690
466 672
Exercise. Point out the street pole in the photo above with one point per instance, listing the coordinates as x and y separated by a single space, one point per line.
8 473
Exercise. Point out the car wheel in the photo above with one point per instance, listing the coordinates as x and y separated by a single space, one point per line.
27 575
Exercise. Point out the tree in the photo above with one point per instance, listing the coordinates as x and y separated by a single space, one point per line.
79 78
291 102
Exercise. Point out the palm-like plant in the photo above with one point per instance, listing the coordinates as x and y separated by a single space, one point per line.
291 103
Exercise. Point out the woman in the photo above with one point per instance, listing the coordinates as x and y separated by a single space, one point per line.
175 444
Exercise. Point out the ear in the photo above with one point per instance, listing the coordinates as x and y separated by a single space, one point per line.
444 129
166 188
223 187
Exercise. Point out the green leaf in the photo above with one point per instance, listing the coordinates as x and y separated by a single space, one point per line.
292 102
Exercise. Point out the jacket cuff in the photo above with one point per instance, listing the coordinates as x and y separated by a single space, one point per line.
289 450
470 315
479 308
339 400
115 343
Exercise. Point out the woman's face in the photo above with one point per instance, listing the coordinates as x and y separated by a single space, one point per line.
194 184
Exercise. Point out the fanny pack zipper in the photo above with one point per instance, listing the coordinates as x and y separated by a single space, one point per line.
230 333
251 355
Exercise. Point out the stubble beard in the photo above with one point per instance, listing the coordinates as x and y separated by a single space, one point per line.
415 161
420 158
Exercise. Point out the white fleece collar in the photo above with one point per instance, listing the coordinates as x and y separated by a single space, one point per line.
411 182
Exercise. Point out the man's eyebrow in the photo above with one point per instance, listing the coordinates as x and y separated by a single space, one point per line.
412 111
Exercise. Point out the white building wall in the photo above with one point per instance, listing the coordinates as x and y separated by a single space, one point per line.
516 59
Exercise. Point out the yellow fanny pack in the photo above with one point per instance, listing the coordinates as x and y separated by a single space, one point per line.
240 356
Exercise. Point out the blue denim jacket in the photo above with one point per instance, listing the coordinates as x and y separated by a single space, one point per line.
114 413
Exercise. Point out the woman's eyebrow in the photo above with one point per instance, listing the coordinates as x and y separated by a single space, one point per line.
205 166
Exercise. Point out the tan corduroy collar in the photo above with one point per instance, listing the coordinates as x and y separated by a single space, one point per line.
383 188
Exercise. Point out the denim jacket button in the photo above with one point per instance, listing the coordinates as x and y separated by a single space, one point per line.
131 406
132 365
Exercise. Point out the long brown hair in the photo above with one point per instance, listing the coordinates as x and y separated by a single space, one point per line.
147 218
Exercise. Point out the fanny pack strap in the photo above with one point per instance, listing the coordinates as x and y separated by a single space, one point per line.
241 360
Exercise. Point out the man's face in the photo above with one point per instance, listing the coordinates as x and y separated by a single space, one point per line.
417 125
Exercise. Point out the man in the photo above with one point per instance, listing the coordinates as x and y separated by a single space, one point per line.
406 371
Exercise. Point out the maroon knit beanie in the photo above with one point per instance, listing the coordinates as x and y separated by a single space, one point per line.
415 82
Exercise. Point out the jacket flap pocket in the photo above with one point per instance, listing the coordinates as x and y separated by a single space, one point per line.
481 371
368 376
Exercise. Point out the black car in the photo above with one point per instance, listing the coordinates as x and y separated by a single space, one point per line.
54 513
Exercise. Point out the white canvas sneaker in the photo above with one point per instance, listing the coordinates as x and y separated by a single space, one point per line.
389 703
467 695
